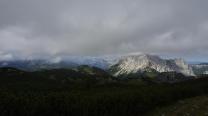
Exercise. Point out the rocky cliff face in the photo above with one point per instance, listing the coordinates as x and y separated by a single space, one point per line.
139 63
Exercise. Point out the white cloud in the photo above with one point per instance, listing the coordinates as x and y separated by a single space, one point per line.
6 57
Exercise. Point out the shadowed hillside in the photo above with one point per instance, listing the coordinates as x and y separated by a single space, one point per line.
87 91
197 106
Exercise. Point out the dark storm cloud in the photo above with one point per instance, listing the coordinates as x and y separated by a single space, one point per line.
30 28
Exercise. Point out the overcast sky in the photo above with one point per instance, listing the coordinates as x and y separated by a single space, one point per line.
37 28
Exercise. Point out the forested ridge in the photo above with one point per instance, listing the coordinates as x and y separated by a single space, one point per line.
59 93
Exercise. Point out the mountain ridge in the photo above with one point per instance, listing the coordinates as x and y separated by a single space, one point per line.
107 62
138 63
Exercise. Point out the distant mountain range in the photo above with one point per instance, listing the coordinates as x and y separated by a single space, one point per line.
200 69
35 65
116 65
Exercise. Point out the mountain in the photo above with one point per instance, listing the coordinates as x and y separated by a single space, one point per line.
201 68
117 64
139 63
103 62
90 61
34 65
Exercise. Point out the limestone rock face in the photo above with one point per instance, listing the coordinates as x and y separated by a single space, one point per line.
139 63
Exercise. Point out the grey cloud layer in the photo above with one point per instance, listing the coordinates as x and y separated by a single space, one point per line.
89 27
